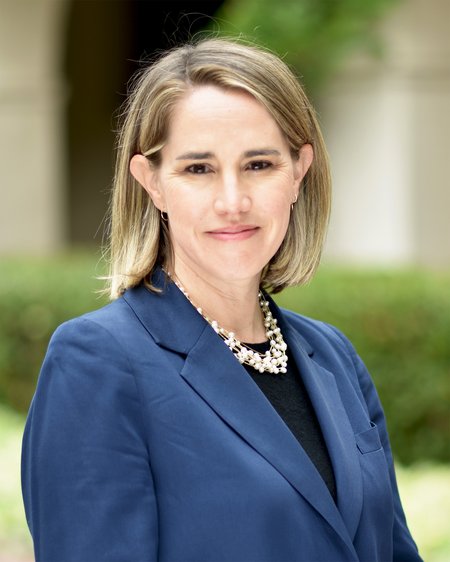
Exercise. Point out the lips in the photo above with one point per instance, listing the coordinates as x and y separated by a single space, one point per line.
235 232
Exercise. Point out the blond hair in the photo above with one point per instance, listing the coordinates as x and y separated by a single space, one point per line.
138 237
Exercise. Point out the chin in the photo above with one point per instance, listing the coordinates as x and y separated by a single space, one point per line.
239 270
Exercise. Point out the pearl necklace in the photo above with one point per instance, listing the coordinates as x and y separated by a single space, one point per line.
272 361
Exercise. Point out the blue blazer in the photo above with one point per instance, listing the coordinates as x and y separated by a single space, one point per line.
147 441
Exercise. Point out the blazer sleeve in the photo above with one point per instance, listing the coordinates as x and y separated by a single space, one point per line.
86 477
404 547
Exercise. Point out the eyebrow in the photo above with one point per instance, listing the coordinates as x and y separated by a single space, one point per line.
195 156
262 152
247 154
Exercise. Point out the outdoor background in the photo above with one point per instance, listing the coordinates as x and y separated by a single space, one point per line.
378 73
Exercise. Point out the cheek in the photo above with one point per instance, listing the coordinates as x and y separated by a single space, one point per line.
186 216
182 203
280 213
279 209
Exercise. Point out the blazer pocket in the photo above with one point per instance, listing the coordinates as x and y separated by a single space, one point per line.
369 440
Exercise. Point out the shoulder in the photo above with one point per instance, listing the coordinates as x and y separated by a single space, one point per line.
104 336
113 314
320 335
89 357
331 349
110 322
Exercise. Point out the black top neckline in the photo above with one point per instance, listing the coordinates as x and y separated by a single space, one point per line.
289 397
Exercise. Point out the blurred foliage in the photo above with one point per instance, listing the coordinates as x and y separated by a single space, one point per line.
314 35
425 493
15 539
398 321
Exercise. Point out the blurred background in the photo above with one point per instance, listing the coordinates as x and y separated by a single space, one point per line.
378 73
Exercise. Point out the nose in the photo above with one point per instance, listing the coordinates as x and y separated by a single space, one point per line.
232 197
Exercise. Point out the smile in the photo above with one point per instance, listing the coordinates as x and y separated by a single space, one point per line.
234 233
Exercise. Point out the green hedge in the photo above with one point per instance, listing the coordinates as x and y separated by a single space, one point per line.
399 322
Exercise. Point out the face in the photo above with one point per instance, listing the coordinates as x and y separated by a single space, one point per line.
227 180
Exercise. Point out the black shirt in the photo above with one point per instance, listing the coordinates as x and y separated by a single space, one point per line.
289 397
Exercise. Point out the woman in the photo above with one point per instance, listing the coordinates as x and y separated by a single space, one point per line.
192 419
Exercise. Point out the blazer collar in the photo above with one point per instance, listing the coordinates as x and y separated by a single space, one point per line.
167 315
170 317
215 374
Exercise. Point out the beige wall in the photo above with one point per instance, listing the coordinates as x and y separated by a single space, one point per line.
387 124
32 178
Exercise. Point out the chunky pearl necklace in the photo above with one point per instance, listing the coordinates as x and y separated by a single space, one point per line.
272 361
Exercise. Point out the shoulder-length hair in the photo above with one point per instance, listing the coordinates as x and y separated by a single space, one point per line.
139 239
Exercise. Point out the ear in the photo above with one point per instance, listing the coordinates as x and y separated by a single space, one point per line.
302 164
146 174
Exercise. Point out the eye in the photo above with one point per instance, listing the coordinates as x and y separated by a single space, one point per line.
257 165
198 169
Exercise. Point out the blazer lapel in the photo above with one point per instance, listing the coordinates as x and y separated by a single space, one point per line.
215 374
336 428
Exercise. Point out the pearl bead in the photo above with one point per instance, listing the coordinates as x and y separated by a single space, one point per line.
273 360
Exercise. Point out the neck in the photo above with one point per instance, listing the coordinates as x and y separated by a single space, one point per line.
234 305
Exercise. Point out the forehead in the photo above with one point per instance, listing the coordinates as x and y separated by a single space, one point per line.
208 97
209 113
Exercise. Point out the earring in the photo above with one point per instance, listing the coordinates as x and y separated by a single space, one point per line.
293 203
164 216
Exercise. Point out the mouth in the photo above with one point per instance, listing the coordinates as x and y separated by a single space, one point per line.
235 232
